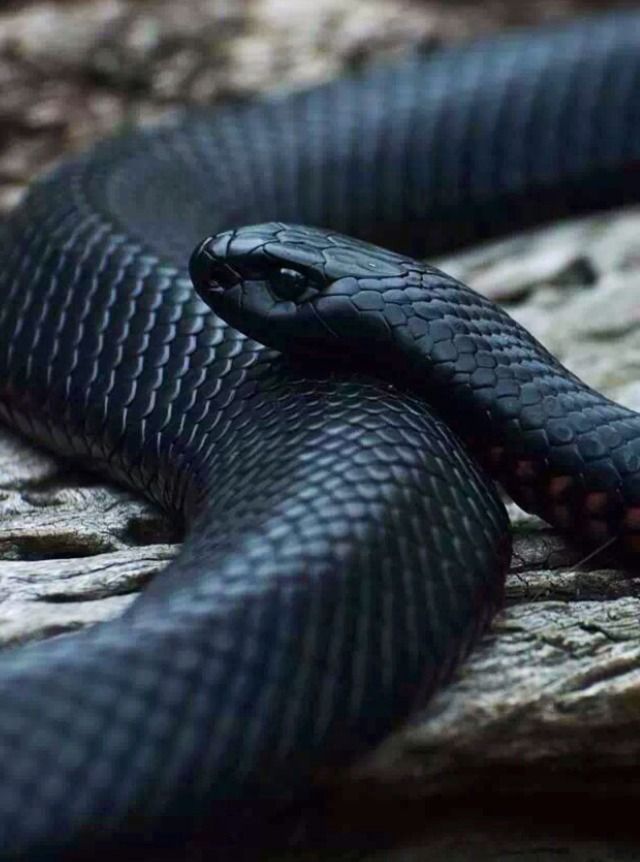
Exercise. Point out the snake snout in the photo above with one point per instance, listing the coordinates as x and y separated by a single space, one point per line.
209 271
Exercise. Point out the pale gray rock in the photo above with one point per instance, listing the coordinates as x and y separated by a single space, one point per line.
73 552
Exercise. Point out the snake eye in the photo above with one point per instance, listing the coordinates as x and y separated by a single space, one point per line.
289 284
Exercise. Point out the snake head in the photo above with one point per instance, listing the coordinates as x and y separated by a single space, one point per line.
299 289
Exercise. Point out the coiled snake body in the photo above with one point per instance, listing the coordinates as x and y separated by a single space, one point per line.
343 550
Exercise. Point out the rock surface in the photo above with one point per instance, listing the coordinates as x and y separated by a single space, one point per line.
550 702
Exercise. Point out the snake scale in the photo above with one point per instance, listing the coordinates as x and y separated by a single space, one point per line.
343 550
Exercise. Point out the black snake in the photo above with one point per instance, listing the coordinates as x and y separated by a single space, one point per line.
343 551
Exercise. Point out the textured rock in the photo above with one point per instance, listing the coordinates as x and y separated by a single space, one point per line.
575 288
550 701
72 553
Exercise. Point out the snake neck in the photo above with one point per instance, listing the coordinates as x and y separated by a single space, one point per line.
560 449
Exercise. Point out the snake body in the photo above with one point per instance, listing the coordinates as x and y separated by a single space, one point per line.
343 551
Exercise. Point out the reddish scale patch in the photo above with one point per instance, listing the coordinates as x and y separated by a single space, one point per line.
596 502
495 454
632 518
558 485
525 470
